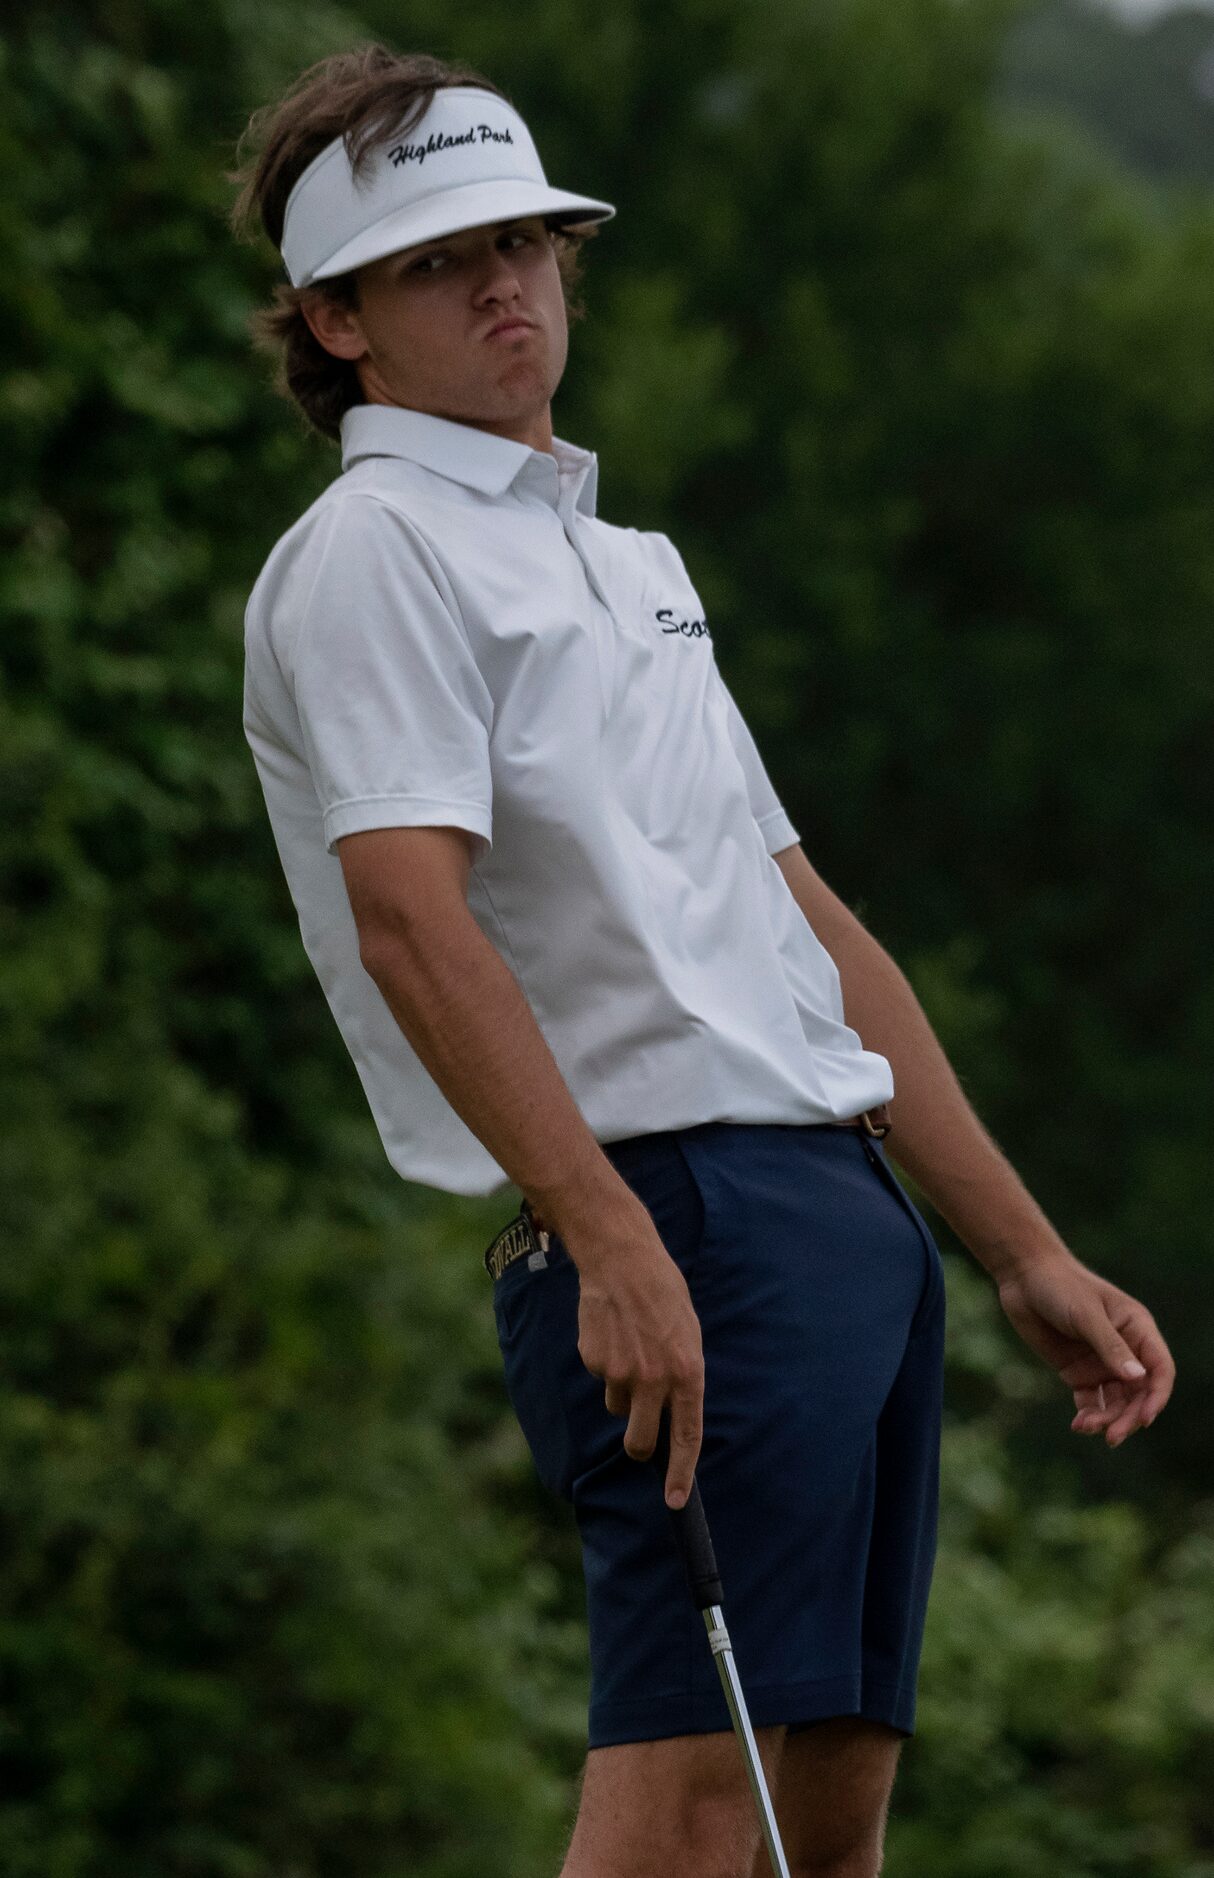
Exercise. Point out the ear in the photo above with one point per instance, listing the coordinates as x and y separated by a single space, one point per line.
335 325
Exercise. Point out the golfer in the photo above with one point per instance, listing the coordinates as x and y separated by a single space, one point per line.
572 942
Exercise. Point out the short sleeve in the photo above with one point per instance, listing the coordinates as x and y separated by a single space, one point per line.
766 807
394 712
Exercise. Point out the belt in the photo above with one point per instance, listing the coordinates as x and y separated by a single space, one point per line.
527 1234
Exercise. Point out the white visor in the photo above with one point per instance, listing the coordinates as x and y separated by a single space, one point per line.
469 162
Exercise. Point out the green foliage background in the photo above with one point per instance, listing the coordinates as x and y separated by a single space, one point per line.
923 391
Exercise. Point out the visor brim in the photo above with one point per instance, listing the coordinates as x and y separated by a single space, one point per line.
473 206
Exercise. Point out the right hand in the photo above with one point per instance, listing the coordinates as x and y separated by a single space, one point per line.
638 1330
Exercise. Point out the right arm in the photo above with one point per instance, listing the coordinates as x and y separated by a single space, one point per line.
396 720
466 1018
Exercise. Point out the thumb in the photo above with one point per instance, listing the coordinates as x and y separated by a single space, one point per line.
1111 1347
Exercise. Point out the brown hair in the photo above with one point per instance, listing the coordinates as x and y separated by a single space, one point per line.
368 96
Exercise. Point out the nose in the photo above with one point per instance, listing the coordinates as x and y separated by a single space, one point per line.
500 280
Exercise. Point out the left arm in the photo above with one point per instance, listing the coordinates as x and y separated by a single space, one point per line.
1104 1344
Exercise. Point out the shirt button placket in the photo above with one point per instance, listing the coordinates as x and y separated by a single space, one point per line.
602 619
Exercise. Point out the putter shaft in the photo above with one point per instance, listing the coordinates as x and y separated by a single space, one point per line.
704 1583
718 1637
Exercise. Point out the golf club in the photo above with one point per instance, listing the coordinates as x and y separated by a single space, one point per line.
695 1541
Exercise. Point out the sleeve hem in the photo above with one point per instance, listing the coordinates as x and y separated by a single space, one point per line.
358 813
778 832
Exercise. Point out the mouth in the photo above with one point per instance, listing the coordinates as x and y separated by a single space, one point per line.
511 329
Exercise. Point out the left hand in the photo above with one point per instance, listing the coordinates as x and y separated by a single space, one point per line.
1089 1331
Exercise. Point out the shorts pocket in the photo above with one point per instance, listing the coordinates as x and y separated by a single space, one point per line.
932 1297
512 1291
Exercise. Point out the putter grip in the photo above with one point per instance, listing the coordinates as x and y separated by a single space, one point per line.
691 1529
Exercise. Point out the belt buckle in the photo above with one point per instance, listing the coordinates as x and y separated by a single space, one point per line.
880 1129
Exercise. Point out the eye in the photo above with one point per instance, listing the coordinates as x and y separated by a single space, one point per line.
428 264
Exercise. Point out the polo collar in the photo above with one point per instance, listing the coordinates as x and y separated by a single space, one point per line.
464 454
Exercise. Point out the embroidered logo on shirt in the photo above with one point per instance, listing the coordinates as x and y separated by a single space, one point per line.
689 628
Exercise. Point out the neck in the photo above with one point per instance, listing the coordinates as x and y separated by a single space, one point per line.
535 431
534 428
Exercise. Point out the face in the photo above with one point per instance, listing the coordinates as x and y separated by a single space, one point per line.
422 333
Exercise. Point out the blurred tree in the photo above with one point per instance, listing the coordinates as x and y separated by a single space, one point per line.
1144 89
1066 1710
268 1600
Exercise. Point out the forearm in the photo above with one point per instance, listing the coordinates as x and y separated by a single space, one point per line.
465 1015
936 1135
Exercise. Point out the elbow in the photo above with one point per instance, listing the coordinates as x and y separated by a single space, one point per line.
408 943
383 947
371 956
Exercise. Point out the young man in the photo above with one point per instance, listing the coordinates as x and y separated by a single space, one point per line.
572 943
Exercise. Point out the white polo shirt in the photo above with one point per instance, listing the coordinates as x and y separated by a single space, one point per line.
450 635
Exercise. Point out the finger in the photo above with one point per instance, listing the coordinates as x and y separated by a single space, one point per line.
1096 1409
617 1398
641 1434
1161 1370
686 1437
1111 1346
1096 1405
1087 1370
1131 1418
1146 1401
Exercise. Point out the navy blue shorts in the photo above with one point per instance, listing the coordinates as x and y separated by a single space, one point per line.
820 1295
